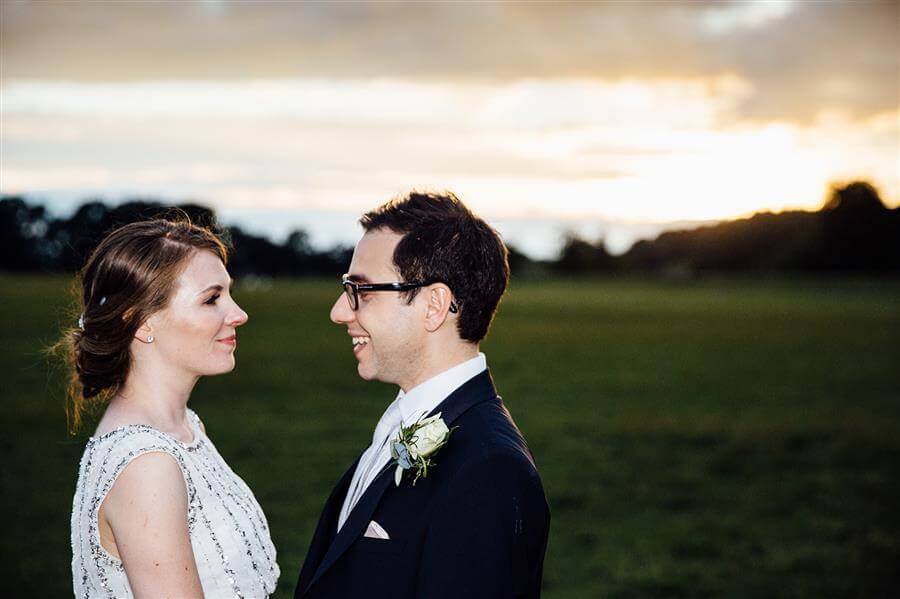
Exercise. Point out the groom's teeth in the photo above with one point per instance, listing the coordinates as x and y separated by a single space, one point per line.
360 340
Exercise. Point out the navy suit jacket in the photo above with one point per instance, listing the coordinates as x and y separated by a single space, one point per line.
477 526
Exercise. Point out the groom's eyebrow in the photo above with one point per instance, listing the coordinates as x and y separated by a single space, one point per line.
359 278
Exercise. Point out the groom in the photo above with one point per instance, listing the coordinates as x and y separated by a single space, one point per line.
423 285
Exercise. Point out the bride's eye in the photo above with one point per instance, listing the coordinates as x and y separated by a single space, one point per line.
211 301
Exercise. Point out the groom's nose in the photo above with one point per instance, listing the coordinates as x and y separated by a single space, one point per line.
341 312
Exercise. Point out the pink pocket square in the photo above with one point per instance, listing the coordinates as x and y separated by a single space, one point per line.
375 531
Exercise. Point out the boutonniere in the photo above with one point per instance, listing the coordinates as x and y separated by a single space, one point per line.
416 444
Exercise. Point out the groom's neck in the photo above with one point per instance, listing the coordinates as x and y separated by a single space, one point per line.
440 358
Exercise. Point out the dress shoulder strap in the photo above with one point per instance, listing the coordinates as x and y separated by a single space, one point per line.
108 455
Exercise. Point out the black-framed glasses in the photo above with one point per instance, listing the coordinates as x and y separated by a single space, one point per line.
352 290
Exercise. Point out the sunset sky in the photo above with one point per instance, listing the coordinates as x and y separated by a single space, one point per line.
618 115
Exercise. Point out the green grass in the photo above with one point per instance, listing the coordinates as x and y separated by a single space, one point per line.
723 438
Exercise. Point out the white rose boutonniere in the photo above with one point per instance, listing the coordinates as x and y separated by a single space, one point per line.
416 444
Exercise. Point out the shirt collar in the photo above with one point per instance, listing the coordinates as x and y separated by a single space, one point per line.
425 397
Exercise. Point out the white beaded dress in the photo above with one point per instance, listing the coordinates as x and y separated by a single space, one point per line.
229 533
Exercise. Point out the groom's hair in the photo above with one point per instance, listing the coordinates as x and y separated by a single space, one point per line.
443 241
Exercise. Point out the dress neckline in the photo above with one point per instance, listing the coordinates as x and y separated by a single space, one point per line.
193 419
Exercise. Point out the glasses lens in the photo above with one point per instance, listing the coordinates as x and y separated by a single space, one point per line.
350 291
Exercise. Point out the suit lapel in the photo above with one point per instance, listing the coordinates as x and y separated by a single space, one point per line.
477 389
323 538
356 522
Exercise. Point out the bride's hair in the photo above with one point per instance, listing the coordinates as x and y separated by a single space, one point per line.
129 276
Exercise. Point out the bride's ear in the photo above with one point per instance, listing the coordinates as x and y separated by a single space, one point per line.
144 334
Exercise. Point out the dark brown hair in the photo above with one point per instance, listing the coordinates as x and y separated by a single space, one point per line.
445 241
129 276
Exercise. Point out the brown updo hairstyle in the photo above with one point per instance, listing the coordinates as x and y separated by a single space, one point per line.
129 276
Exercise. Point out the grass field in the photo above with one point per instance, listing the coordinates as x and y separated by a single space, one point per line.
720 438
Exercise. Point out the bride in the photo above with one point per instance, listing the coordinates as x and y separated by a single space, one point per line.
157 511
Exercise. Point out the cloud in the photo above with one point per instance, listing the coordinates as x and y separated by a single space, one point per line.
796 59
533 104
299 130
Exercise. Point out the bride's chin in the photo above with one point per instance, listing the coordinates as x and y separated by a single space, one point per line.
226 368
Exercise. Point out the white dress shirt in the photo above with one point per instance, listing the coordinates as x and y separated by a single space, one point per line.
406 409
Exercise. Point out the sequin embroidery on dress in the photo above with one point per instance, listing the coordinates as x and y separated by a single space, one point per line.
229 534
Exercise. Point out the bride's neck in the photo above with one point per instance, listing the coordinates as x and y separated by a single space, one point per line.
158 399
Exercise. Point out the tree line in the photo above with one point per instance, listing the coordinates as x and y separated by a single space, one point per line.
853 232
33 241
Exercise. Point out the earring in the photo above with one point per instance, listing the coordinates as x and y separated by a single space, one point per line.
150 339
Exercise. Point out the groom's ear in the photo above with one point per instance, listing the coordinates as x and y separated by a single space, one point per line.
437 309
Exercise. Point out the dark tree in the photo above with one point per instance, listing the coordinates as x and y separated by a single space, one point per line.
860 233
853 233
22 229
519 263
578 256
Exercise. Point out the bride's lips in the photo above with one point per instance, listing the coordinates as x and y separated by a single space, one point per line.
232 341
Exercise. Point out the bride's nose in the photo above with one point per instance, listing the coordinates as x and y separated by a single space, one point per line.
237 317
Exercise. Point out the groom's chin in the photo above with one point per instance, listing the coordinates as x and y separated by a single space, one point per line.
365 374
370 374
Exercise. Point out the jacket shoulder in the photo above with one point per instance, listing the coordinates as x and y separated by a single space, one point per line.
486 433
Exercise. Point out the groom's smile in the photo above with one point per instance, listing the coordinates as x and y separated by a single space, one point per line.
359 343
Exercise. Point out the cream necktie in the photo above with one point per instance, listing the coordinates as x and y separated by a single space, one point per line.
371 462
